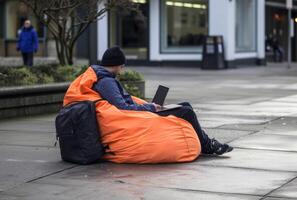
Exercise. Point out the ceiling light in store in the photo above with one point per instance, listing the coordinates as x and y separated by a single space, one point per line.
169 3
197 6
178 4
186 5
139 1
295 19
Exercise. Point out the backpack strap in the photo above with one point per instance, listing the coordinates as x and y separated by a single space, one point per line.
74 102
102 99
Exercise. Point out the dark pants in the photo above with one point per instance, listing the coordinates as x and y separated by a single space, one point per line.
278 54
28 58
187 113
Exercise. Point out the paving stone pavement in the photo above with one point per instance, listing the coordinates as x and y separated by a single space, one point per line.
252 108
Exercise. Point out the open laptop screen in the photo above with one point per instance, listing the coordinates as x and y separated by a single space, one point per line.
160 95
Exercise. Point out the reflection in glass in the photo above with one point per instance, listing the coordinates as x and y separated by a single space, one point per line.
246 25
130 31
184 23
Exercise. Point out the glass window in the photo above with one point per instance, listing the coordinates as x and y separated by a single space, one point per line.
16 14
130 31
276 28
184 23
277 1
246 25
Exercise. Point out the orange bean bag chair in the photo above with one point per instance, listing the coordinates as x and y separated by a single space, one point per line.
136 136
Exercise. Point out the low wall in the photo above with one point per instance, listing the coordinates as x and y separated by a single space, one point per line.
18 61
31 100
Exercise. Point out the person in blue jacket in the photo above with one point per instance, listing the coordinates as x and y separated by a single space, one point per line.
111 90
27 43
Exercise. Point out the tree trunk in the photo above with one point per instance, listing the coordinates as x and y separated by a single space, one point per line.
64 52
70 54
59 52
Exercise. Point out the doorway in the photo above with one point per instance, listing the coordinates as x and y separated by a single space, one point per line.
277 30
130 32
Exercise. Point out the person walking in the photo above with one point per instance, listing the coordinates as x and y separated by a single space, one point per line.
27 43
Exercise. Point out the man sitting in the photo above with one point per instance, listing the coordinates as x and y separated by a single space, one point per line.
110 89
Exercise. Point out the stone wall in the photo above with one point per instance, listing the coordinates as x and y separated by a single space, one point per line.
17 61
31 100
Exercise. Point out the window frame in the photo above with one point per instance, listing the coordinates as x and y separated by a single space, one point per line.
255 49
117 36
179 50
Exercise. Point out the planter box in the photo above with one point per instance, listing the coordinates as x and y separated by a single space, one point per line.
30 100
40 99
140 85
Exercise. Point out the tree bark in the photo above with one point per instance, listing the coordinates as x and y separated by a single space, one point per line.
64 52
70 54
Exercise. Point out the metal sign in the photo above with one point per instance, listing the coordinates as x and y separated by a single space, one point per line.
289 4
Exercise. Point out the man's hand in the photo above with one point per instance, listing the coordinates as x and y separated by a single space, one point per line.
157 107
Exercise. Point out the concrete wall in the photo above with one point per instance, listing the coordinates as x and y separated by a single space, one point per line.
102 34
222 22
30 100
261 29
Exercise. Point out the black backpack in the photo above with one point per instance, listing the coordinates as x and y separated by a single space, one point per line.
78 134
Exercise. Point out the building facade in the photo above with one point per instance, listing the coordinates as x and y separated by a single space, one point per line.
173 31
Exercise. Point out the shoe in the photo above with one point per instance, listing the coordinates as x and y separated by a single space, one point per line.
215 147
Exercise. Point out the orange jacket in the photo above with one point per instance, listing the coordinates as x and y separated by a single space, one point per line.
137 136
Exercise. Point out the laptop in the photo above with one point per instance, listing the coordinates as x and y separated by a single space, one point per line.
160 97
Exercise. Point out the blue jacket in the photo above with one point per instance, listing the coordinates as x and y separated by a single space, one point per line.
110 89
28 40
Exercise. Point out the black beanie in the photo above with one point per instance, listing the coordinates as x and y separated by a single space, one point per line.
112 57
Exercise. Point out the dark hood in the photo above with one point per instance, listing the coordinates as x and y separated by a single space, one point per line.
101 72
